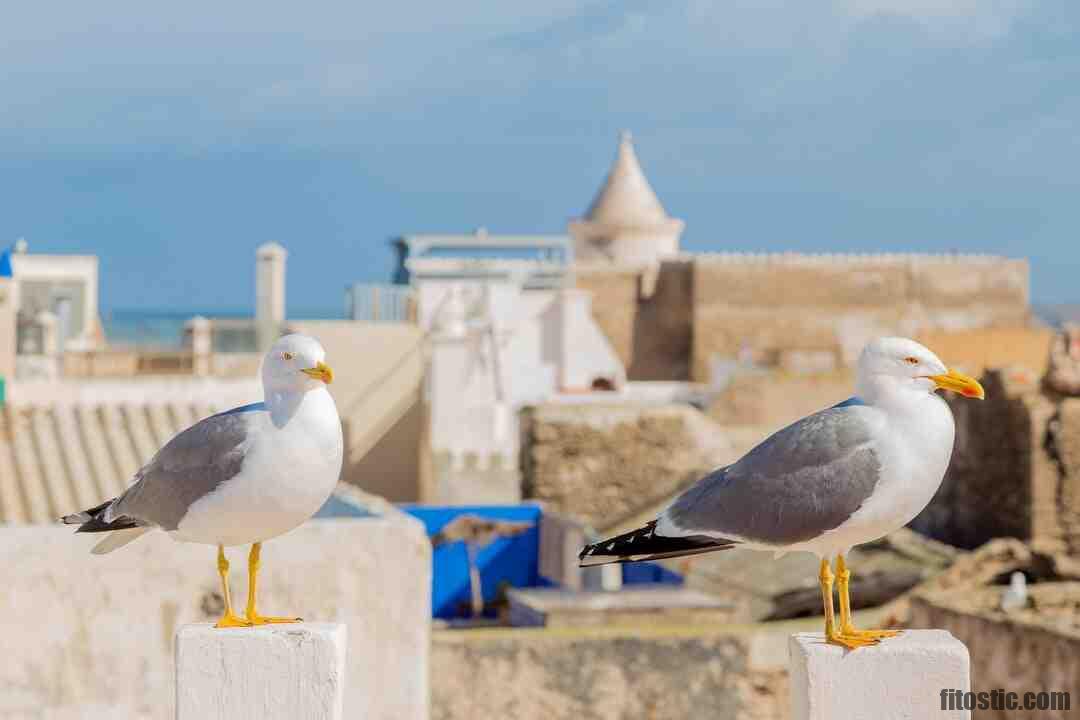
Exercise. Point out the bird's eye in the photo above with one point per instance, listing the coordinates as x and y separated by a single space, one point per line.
911 360
286 356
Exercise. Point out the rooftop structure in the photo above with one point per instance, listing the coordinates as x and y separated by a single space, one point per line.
8 314
536 261
626 223
56 457
65 286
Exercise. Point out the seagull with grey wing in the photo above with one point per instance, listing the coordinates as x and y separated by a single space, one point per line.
239 477
841 477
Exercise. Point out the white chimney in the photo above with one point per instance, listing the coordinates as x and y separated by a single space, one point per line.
269 293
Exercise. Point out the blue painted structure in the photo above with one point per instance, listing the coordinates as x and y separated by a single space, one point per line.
514 560
647 573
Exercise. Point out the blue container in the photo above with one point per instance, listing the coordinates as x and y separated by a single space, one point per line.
512 560
647 573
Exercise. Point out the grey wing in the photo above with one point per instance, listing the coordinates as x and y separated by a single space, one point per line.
797 484
191 465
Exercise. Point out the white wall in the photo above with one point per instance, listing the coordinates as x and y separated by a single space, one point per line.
91 636
67 268
8 301
545 341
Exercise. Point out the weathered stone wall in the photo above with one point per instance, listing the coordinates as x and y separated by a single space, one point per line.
1014 654
605 674
651 335
1015 468
602 463
988 489
1064 447
771 303
614 307
772 400
715 305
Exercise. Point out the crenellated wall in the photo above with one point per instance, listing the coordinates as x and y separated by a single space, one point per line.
769 304
790 309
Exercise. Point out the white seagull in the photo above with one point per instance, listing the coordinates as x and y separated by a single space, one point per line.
841 477
242 476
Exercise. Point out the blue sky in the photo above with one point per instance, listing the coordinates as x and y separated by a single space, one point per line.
172 140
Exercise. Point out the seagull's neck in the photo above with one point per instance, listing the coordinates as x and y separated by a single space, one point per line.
283 405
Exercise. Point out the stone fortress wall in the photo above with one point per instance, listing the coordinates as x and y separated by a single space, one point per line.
675 316
794 311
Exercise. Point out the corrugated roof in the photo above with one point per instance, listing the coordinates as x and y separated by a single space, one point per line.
60 459
626 198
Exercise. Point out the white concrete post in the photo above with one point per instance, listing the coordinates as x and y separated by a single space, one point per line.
50 342
269 293
903 677
273 672
201 345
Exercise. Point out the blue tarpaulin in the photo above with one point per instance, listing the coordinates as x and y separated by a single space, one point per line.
513 560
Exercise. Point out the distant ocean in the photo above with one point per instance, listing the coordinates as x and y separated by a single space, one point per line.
165 328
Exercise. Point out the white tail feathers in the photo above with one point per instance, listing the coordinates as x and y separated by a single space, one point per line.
118 539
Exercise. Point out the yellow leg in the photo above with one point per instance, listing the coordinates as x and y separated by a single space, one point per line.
825 576
846 626
833 634
229 619
253 617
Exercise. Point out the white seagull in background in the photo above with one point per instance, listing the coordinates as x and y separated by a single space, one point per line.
242 476
841 477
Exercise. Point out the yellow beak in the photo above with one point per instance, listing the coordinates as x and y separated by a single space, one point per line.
960 383
321 371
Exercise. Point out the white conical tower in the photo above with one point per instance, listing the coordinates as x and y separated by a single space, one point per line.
626 223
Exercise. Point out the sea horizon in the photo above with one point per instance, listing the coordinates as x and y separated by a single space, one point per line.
164 327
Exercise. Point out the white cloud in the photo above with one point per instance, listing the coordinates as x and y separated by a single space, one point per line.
971 19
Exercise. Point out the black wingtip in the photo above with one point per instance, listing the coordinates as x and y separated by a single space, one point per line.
643 544
91 520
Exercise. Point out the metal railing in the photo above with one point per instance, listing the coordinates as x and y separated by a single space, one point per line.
379 303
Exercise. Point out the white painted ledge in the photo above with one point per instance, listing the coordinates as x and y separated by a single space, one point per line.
270 673
899 679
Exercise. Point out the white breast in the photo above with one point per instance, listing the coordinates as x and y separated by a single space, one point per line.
288 474
914 446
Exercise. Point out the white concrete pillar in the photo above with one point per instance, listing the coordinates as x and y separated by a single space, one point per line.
50 343
50 340
274 672
269 293
202 345
902 678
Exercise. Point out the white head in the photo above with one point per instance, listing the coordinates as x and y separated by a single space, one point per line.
892 364
295 363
